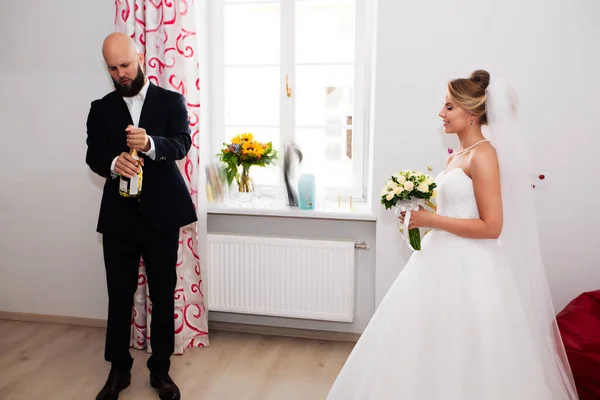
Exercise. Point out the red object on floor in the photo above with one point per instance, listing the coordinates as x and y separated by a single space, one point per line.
579 324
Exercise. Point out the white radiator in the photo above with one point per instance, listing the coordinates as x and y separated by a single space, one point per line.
277 276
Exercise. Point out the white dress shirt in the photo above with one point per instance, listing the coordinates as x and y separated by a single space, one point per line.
135 104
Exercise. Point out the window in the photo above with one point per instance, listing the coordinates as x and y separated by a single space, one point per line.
294 70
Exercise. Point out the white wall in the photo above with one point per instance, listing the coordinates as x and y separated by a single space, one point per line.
50 256
51 259
549 50
52 68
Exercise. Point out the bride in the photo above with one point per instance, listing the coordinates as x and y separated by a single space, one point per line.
470 316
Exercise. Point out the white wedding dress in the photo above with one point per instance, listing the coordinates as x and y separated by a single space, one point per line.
451 326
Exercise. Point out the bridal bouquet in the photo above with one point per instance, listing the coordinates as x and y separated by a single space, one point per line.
408 191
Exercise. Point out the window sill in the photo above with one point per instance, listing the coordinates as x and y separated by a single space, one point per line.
360 211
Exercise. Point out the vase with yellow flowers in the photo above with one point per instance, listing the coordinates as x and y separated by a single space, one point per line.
242 153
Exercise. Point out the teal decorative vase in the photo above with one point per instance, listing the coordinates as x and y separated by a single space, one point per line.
306 192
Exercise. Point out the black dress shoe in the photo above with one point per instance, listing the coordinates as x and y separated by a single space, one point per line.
167 389
116 382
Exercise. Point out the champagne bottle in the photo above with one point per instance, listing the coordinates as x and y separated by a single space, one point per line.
132 187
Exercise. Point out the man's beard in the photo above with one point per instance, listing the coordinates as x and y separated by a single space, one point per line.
134 87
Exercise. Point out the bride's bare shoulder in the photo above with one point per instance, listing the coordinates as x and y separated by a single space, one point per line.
484 159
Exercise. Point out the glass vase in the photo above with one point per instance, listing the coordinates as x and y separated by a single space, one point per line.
245 184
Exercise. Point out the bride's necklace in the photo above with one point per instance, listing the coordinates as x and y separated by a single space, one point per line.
470 147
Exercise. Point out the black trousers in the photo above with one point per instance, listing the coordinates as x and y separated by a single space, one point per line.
122 253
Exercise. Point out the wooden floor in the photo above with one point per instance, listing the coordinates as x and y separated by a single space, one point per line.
47 362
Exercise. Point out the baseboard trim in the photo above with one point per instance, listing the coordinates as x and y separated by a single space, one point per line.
212 325
53 319
281 331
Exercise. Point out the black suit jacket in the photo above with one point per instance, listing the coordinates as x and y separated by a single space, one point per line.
165 197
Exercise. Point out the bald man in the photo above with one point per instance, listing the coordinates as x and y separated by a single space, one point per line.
154 121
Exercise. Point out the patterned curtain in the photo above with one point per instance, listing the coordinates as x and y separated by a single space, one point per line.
166 32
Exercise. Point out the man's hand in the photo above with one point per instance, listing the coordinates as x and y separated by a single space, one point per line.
127 166
137 138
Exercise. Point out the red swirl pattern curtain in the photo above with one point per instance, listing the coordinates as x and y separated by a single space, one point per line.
165 31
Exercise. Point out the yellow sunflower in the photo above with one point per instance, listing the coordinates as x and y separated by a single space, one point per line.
244 137
253 148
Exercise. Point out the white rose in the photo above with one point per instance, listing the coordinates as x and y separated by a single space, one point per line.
390 184
409 186
384 191
434 194
390 196
398 189
429 181
401 178
423 187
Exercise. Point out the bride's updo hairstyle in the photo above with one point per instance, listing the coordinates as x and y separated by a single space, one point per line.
469 94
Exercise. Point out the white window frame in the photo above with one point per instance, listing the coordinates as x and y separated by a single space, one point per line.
363 64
